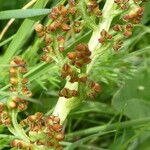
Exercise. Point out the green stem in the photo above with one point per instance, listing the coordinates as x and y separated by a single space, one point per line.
64 106
108 15
7 40
19 131
11 129
135 123
58 55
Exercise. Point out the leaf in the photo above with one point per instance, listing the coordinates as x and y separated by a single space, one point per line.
21 13
134 98
121 139
137 108
146 13
5 141
21 36
87 138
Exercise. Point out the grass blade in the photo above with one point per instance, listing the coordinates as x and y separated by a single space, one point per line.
20 13
21 36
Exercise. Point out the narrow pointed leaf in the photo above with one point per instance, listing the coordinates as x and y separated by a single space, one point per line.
21 13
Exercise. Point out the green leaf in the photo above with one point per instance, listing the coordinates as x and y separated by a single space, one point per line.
122 139
134 98
146 13
137 108
5 141
21 13
81 141
21 36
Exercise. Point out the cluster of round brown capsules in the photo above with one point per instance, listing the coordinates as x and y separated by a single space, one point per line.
61 43
77 25
81 56
42 33
67 93
60 22
48 127
67 70
78 58
54 131
94 88
18 84
16 102
117 45
105 36
4 115
48 39
40 29
126 29
134 16
72 7
60 17
19 144
93 8
122 4
46 56
34 122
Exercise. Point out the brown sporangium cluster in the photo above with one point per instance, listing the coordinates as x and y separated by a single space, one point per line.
18 84
105 36
44 131
41 131
4 115
79 59
17 88
93 8
132 16
62 21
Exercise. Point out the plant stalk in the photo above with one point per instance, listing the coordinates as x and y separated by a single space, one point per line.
64 106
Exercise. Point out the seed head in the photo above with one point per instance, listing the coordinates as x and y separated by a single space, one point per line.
39 28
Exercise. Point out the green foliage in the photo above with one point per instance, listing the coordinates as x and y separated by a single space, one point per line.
20 13
133 98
